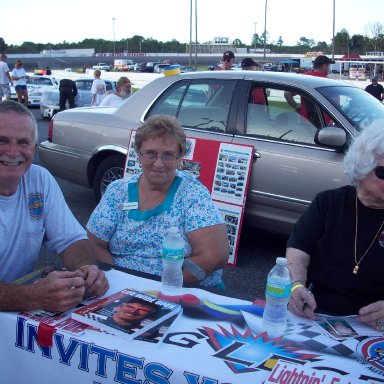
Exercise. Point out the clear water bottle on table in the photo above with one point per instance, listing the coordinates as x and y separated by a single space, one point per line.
172 257
278 290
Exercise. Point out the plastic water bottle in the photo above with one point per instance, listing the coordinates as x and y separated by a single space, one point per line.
173 257
278 289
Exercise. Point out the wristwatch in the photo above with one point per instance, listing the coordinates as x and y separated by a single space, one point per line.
194 269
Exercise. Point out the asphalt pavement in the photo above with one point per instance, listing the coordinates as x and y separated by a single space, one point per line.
257 249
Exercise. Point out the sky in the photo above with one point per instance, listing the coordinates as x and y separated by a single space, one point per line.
75 20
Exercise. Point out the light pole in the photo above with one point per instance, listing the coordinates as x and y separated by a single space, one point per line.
255 36
333 32
195 34
348 45
114 41
190 34
265 26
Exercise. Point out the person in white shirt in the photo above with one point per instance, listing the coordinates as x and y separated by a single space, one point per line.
33 213
123 91
5 78
19 77
98 89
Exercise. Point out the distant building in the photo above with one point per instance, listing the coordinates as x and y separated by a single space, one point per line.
76 52
219 44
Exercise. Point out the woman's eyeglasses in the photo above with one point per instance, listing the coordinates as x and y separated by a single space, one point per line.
153 156
379 171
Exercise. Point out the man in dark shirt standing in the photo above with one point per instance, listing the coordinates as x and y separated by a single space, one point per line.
375 89
68 91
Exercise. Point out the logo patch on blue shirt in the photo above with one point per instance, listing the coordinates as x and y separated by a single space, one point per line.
36 205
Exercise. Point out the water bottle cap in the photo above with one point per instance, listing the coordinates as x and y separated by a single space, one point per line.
281 261
173 230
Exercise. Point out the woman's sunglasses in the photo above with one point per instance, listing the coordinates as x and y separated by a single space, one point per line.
379 171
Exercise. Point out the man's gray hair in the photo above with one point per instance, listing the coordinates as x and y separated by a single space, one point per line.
9 106
363 155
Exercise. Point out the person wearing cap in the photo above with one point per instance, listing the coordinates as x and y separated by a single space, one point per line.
19 77
68 91
258 95
321 67
5 78
227 62
248 64
123 91
375 89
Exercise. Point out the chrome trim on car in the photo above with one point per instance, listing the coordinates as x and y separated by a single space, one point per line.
56 149
280 197
111 147
286 143
207 131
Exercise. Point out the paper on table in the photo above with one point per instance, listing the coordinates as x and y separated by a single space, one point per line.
342 327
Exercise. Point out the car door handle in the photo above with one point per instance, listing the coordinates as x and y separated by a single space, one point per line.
256 155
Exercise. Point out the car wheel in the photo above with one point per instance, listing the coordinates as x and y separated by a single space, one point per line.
110 169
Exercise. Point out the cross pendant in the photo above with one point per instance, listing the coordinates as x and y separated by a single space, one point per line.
355 270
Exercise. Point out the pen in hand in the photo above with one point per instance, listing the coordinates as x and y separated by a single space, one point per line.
305 305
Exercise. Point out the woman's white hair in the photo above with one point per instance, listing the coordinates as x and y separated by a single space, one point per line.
363 155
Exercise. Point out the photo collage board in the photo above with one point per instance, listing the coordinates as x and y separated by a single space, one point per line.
223 168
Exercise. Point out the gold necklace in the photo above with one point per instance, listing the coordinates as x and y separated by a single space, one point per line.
357 263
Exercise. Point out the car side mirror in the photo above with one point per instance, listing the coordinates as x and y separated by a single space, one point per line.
331 137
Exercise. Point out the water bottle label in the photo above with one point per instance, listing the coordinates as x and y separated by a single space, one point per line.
173 254
278 290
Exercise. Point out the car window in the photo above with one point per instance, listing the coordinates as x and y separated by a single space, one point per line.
197 104
270 115
358 107
39 81
84 85
109 86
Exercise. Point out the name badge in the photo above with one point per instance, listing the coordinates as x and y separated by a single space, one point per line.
128 206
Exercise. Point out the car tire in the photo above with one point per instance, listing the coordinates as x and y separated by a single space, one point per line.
110 169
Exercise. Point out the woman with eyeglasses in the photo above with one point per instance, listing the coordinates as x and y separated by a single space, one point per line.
128 226
337 245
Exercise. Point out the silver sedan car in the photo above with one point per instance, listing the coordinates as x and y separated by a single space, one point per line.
300 127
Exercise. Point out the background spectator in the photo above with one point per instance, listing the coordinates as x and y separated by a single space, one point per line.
376 89
19 78
68 91
98 89
5 78
122 92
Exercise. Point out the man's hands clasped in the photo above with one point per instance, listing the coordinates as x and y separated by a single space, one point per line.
96 284
62 290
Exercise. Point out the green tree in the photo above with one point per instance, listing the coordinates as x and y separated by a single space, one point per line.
376 30
3 46
136 43
341 42
238 43
257 41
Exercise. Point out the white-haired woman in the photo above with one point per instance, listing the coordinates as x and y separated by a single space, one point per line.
337 246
